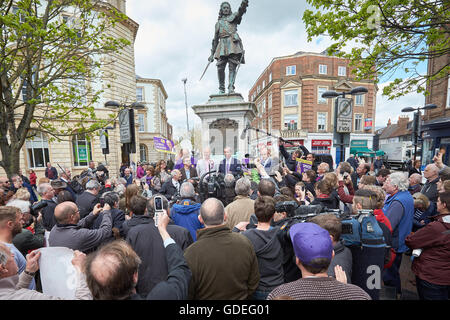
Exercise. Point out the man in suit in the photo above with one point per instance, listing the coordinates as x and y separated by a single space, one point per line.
188 171
229 164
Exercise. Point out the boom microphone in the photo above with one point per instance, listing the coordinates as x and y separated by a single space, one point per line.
245 132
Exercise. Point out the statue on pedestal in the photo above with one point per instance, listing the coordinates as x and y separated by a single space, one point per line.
227 45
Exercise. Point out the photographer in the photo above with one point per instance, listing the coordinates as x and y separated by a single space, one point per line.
117 216
431 265
345 187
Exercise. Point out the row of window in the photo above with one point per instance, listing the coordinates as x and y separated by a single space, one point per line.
323 69
38 150
290 122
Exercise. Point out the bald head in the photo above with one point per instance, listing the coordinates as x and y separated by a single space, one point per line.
431 172
212 212
67 212
112 271
414 179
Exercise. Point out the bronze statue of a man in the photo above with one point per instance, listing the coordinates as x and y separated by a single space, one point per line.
227 46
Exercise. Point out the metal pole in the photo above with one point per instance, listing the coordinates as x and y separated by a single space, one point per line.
185 100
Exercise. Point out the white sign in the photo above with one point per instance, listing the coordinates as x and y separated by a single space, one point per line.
103 144
58 275
124 125
344 115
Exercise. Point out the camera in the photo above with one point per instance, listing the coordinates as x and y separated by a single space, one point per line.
158 209
35 208
287 206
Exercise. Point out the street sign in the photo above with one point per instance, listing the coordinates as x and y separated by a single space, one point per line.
124 125
344 115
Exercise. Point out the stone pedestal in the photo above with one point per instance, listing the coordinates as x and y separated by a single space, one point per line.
224 118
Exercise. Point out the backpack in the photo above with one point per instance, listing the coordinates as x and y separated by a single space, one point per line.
363 230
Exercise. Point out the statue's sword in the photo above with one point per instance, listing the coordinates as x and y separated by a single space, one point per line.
205 70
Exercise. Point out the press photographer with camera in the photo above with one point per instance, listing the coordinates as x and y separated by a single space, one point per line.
171 187
111 200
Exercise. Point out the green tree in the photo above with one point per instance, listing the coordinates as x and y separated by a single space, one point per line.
388 37
51 52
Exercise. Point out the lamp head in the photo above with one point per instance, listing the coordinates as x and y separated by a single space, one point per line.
358 91
112 104
408 109
330 94
429 106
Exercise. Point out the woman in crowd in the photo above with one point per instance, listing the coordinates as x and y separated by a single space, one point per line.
325 196
149 177
431 245
309 178
33 178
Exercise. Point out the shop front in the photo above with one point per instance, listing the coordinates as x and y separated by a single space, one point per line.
360 148
436 138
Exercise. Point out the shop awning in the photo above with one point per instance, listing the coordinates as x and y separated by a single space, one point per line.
380 153
362 152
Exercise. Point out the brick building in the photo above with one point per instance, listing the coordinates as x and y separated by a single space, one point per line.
435 127
288 98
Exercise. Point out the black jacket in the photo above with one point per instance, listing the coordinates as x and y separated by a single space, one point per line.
175 287
118 218
332 202
48 215
168 190
86 203
146 241
291 164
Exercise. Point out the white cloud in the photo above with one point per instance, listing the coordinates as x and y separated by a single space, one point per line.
391 109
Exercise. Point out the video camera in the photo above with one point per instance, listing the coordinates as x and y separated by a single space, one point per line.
213 187
38 206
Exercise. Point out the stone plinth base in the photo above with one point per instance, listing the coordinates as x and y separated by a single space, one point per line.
224 118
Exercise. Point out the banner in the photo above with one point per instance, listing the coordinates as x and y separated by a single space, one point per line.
303 165
58 275
163 145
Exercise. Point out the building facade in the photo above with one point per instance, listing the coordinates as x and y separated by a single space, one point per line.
118 84
288 98
435 129
152 120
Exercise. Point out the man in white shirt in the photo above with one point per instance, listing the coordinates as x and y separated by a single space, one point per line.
205 164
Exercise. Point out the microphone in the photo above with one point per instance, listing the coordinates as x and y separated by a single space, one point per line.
245 132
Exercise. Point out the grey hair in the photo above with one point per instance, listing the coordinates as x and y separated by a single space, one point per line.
399 180
122 181
229 180
187 190
120 189
93 184
22 205
242 187
416 177
174 172
43 188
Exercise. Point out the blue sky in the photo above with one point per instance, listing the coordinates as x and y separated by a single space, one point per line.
174 42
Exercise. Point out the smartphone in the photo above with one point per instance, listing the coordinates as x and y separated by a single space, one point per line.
158 209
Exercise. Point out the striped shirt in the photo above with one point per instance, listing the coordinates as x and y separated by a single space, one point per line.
319 288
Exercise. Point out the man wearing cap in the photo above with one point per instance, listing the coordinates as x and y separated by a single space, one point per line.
314 251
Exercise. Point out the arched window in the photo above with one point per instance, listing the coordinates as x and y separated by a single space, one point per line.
37 151
82 150
143 152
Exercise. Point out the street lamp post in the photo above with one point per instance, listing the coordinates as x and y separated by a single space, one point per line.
345 111
185 101
417 122
126 124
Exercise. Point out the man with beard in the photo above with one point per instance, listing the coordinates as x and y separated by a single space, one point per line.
11 222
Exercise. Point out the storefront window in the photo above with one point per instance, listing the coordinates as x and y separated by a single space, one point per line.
82 150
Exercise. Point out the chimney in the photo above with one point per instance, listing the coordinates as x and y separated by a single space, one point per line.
389 122
403 121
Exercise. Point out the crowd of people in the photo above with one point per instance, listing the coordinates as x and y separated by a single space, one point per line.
233 246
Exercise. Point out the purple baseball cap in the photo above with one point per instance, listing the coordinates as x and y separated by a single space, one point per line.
310 242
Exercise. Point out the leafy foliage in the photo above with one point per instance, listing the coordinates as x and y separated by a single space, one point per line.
51 61
387 36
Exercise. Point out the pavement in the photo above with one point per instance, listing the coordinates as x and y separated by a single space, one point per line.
409 291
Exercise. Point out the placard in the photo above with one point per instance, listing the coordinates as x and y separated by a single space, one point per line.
303 165
163 145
